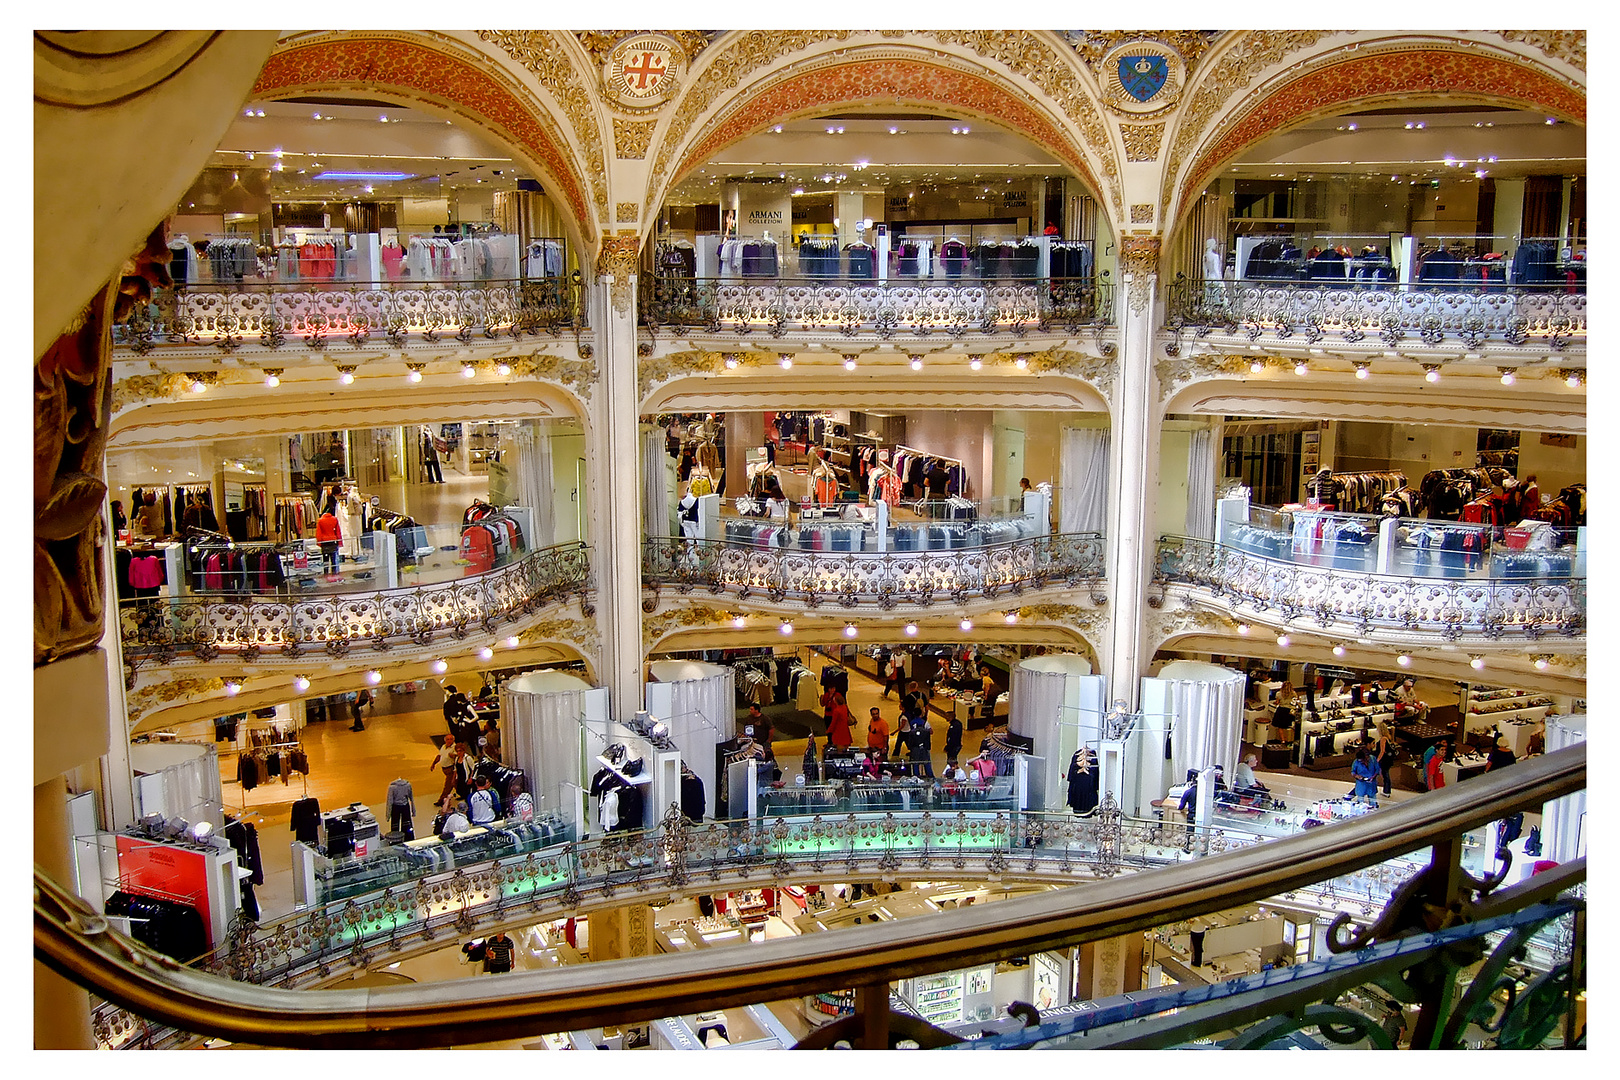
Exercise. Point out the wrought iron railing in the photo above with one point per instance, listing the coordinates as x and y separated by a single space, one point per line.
162 629
1491 607
680 858
1431 313
875 579
777 306
305 315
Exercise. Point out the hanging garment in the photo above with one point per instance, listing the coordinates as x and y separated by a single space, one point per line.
306 821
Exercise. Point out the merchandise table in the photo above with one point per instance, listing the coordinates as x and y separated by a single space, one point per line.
1462 768
1423 734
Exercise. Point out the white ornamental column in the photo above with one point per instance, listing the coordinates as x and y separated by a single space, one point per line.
1133 469
615 524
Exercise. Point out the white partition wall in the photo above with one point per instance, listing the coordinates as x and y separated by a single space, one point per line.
699 703
178 779
1204 703
545 716
1563 821
1057 702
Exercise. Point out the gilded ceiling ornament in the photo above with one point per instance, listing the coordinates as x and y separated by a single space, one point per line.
643 71
600 42
1142 213
578 375
146 698
1177 371
1141 141
1094 46
139 388
583 636
1140 258
1141 78
619 256
655 628
627 211
660 369
1566 45
1163 625
544 57
632 137
1085 620
1099 371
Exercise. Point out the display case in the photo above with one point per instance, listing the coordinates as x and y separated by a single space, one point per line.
938 998
1514 714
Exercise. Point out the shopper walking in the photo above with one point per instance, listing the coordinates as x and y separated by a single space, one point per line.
356 705
953 739
836 713
893 673
877 731
457 709
922 743
445 762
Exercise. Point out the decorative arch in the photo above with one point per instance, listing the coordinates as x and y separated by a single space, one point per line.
917 80
441 82
1453 71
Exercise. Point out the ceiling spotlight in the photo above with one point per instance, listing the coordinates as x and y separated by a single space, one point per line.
416 371
300 683
1404 660
373 676
1362 371
894 131
198 386
849 362
786 627
440 667
732 362
1012 617
232 686
1243 628
346 374
1350 126
1431 372
485 653
1507 376
1302 368
975 363
512 641
916 363
468 371
1021 362
272 376
1283 640
849 630
911 629
785 360
1338 650
1573 379
966 624
1256 366
1477 663
1541 663
503 369
739 622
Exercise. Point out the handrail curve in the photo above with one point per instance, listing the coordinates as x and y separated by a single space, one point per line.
250 628
522 1004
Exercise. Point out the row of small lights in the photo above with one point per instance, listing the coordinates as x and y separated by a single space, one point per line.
272 376
233 686
785 627
1475 662
1573 378
786 361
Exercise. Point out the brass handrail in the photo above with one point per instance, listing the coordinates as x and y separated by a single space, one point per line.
82 946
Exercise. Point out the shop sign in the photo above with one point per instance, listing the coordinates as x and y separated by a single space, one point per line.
764 217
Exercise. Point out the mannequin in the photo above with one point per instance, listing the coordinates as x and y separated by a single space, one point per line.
823 483
688 514
1214 273
1324 488
882 483
348 515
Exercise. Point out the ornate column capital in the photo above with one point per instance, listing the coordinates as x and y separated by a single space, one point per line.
618 257
1140 256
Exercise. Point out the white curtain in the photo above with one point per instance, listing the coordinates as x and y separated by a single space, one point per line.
1562 820
699 703
1085 480
1056 702
535 480
1207 714
656 498
540 734
1201 485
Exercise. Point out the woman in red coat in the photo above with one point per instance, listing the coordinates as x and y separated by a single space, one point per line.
837 714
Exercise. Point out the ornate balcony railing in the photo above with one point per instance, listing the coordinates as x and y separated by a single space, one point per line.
305 315
1470 315
883 580
1344 868
1491 607
161 629
777 306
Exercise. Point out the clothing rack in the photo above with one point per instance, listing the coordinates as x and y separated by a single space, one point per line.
295 515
